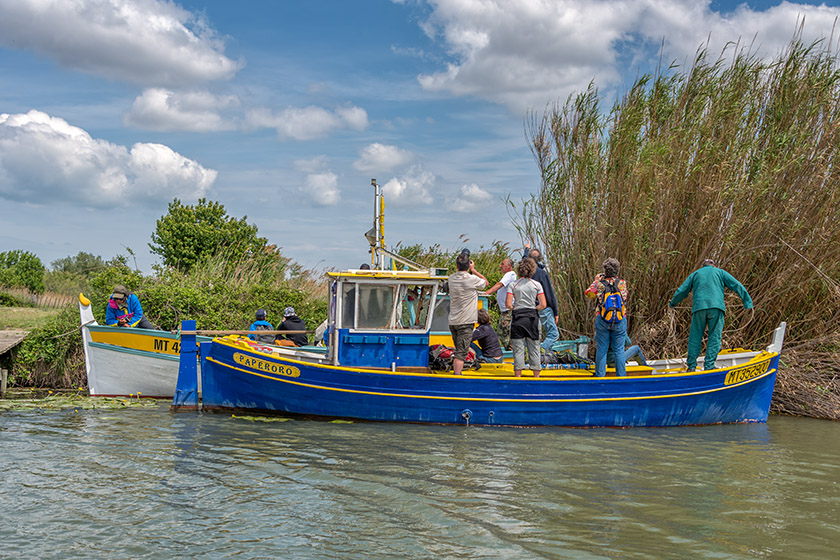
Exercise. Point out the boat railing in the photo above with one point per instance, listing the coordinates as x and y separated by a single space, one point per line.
778 338
240 332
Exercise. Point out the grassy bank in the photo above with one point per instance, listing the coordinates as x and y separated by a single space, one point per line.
24 318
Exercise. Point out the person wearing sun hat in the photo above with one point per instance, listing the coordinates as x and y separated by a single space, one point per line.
291 322
124 310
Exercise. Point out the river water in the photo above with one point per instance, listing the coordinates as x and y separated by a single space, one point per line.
152 484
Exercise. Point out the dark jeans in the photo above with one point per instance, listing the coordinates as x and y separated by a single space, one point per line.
480 355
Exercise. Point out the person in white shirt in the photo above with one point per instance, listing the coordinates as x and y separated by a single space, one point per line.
500 288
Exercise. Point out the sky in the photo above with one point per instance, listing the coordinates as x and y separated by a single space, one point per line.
283 111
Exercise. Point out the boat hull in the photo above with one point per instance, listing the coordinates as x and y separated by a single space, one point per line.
123 362
234 377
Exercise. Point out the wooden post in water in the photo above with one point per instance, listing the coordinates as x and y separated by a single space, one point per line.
4 377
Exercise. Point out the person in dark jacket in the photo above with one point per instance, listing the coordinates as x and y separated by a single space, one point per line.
548 316
291 322
707 309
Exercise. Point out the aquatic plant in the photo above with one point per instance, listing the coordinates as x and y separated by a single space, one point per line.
735 158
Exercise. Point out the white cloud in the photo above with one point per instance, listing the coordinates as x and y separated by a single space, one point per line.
382 158
306 123
469 199
43 160
312 165
685 26
201 111
527 53
166 110
150 42
322 188
415 187
355 117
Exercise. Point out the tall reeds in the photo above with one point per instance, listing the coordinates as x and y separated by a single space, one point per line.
734 159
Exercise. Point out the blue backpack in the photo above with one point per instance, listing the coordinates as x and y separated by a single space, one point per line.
612 308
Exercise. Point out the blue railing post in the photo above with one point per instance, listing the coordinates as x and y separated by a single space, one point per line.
186 391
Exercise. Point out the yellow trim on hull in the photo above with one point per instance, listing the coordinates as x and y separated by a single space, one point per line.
486 399
137 341
234 342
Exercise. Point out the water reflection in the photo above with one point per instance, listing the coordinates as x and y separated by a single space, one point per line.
147 483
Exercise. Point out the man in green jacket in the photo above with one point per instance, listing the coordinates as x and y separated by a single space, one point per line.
707 309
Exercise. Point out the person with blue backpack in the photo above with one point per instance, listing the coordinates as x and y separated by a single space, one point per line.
610 294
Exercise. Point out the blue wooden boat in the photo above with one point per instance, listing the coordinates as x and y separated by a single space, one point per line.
377 368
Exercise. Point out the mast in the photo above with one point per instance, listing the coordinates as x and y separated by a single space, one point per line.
376 235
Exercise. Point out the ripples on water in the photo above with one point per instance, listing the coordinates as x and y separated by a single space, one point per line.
150 484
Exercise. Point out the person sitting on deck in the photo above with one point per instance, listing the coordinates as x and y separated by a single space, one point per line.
124 310
261 325
631 352
291 322
485 342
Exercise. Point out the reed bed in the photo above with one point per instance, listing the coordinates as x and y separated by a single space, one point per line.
735 159
808 384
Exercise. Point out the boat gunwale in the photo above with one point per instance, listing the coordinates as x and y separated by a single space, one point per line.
236 344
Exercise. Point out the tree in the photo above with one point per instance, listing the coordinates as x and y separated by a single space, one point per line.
187 234
22 269
83 264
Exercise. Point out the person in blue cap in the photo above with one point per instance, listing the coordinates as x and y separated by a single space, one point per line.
261 325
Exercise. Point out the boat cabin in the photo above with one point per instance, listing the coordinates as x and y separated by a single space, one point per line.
382 318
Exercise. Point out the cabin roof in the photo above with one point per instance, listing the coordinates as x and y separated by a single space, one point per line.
433 274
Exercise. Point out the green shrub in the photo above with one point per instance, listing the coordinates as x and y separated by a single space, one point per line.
10 300
21 269
52 355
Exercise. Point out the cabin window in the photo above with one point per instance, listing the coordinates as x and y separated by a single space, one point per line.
413 311
440 319
386 307
376 304
348 305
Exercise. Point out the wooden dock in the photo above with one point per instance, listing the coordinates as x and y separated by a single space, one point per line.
10 339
